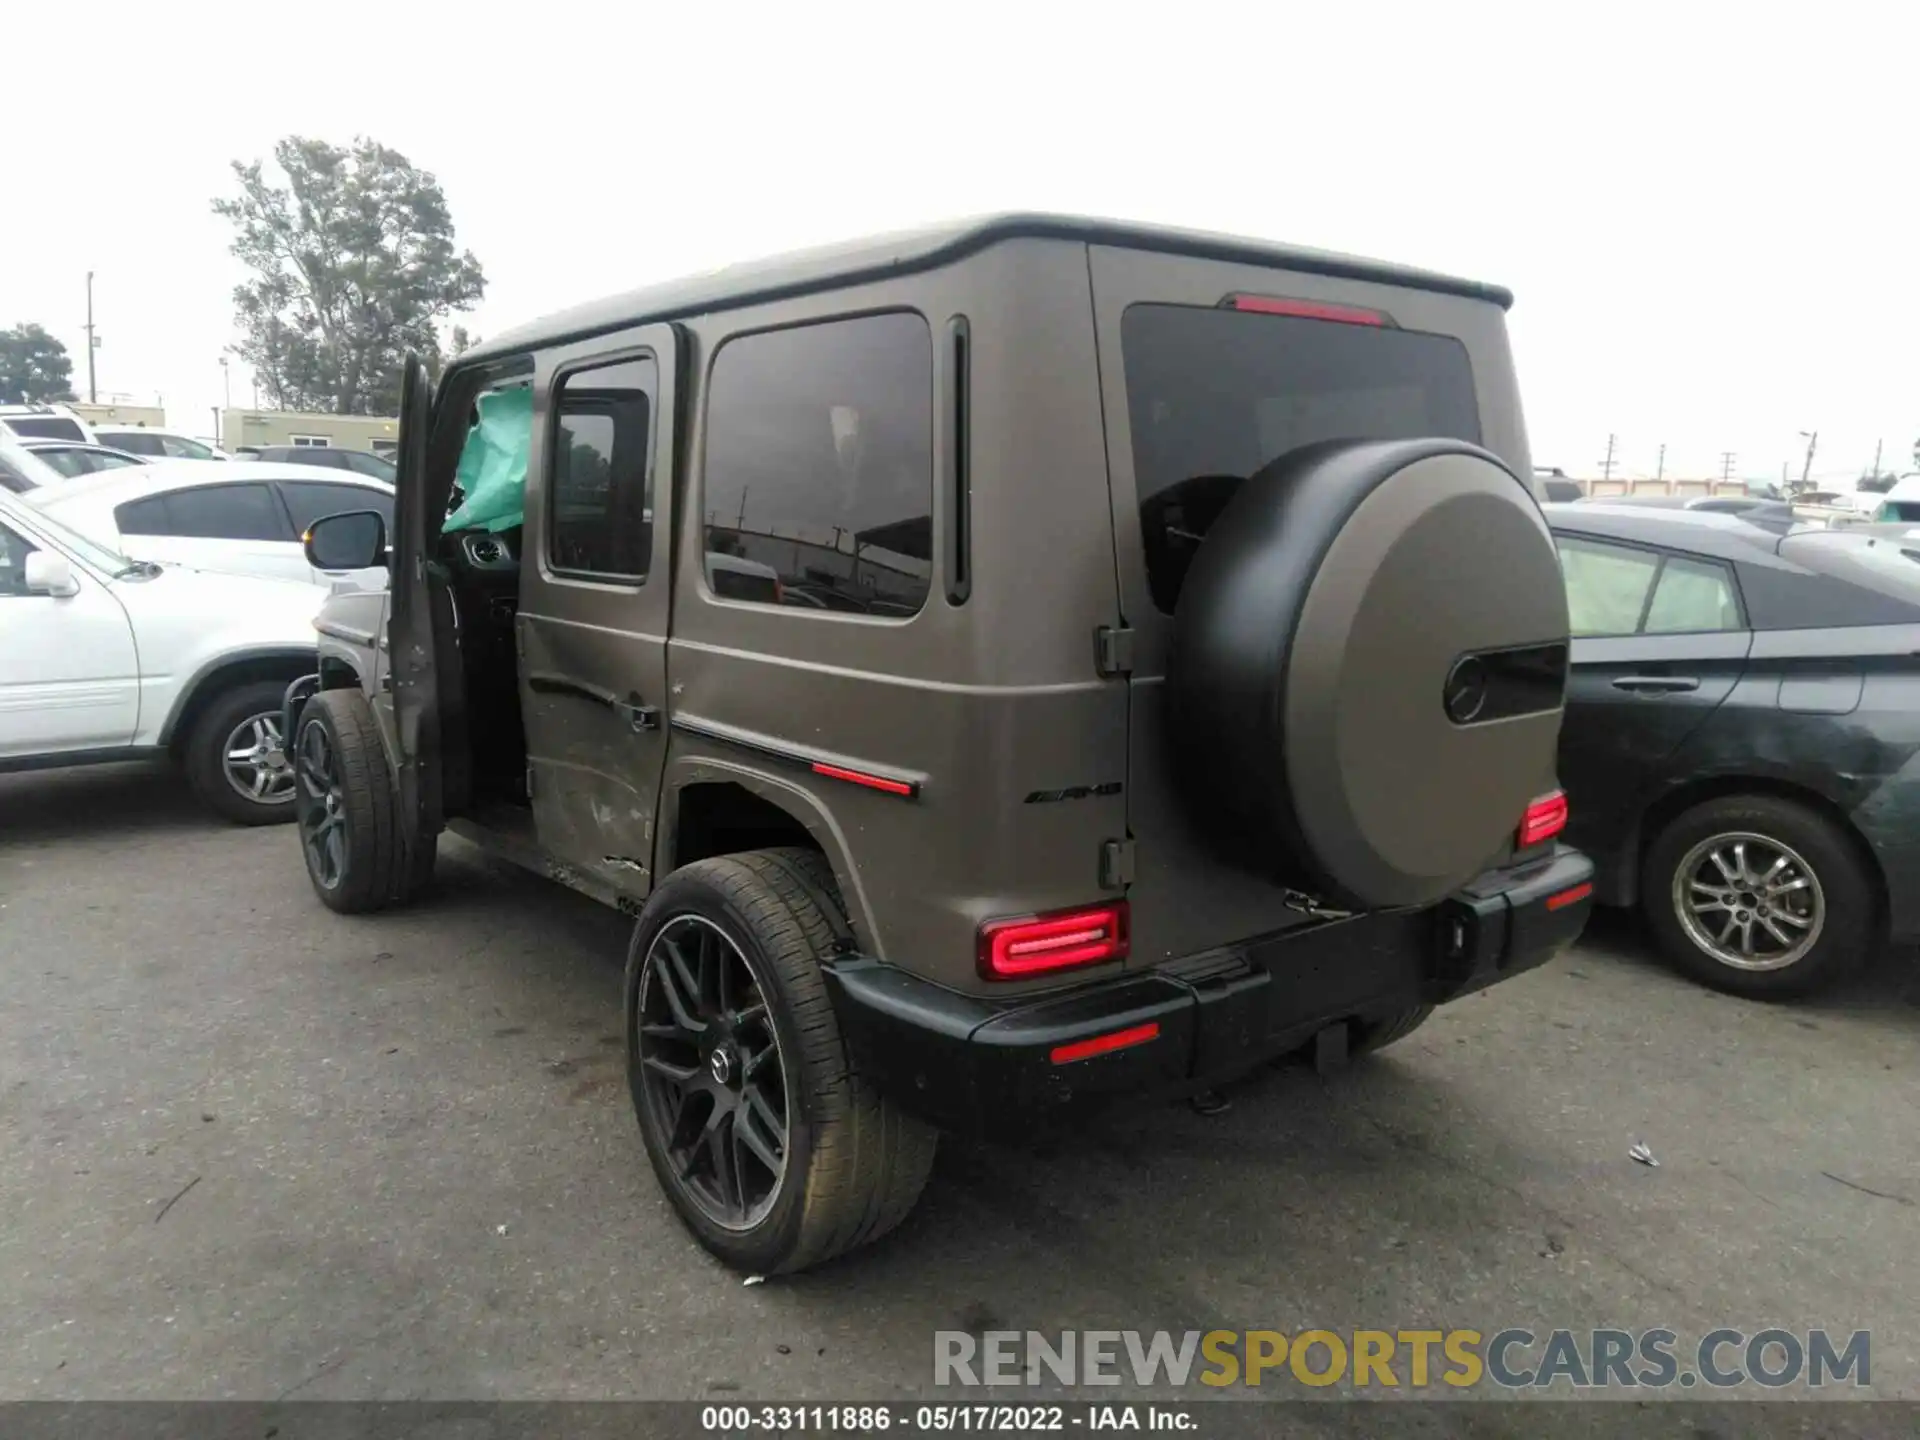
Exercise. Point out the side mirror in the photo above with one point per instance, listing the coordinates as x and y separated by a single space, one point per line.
48 573
356 540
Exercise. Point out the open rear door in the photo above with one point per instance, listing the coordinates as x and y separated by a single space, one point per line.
415 631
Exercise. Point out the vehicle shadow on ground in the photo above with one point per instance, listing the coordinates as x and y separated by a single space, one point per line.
1890 982
98 800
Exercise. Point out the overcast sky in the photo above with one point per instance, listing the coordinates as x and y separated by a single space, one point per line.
1707 211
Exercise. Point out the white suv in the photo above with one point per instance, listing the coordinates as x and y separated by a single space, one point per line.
109 658
45 422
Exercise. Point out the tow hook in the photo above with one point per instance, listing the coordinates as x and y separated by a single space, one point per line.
1307 904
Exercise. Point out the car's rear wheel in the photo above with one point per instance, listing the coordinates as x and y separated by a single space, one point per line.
770 1145
344 803
1759 896
236 758
1381 1031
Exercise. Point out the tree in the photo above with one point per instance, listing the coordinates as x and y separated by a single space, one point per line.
1876 484
34 367
354 265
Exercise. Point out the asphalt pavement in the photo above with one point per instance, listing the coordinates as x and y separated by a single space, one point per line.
250 1149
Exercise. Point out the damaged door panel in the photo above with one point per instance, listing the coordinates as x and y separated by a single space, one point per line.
594 602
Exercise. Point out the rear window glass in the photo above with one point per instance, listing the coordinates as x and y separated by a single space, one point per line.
47 427
1856 580
1214 395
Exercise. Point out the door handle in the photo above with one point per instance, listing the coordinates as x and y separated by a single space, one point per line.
639 714
1656 684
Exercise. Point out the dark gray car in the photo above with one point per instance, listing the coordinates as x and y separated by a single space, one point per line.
1742 740
1138 657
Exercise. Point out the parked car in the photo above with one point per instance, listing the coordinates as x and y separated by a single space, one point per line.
45 422
112 658
358 462
75 457
20 469
1742 739
998 855
239 518
1901 503
157 443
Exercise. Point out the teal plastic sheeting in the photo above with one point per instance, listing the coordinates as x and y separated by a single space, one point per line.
493 467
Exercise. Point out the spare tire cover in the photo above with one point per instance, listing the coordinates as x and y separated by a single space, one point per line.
1368 667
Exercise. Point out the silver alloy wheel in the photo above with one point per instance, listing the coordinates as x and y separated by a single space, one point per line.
254 760
1749 900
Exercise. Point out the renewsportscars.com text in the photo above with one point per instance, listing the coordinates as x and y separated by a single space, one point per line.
1514 1359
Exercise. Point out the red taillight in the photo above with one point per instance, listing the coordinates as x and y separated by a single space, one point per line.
1038 944
1106 1044
1305 309
1545 818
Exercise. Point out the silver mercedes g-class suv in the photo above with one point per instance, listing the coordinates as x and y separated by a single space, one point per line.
1001 669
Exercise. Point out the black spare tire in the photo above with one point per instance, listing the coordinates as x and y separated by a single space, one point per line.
1368 667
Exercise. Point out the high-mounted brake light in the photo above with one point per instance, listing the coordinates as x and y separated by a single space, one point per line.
1305 309
1545 818
1041 944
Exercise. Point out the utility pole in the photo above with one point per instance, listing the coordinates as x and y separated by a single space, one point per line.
1726 465
1606 465
1660 472
1806 467
1876 459
93 343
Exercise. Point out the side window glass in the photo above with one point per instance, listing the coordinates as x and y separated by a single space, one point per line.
13 562
1692 596
600 485
1607 586
143 517
227 512
311 502
67 462
819 466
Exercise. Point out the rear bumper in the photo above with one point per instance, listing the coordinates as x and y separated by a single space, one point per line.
998 1067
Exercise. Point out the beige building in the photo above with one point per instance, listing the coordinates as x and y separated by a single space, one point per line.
116 413
255 429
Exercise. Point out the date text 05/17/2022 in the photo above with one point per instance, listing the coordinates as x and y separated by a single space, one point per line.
939 1419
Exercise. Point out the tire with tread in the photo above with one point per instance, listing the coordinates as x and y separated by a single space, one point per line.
377 872
1850 929
1371 1035
204 753
856 1163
